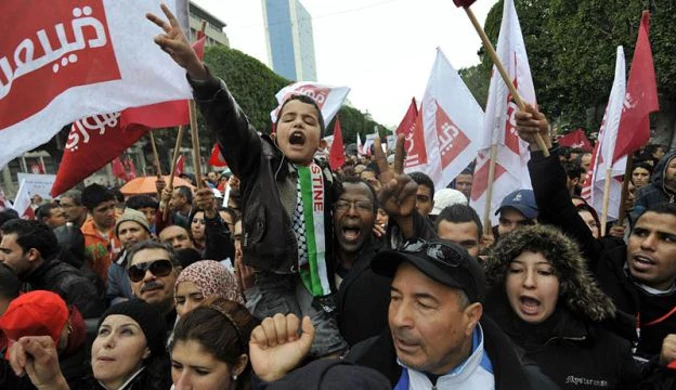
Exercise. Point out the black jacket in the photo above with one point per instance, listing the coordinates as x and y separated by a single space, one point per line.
268 182
575 353
655 192
219 245
71 284
508 368
606 260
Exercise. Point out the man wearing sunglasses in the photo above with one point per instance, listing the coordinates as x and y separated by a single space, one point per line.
438 337
153 268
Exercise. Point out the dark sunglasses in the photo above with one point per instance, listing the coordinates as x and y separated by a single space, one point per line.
158 268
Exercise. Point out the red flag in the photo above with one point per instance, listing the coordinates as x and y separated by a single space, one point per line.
577 139
407 124
337 153
92 143
118 170
414 143
180 166
216 159
641 98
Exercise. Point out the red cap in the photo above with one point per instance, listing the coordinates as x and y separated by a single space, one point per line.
37 313
463 3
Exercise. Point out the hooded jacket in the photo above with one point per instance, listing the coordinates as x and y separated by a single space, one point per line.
570 346
655 192
605 259
268 182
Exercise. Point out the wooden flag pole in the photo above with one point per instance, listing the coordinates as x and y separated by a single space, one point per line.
489 195
158 169
196 155
174 160
625 188
606 200
505 77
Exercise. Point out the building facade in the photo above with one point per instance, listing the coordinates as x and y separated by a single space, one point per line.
289 39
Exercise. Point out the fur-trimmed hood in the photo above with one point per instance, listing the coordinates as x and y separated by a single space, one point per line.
579 290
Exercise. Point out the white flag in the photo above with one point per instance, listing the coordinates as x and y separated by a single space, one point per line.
22 202
499 126
605 148
451 120
328 98
77 60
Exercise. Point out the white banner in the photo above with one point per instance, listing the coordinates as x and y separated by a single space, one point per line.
499 126
77 60
37 184
328 98
452 121
605 148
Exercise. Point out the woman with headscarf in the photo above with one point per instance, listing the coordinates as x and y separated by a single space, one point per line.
543 297
128 353
202 280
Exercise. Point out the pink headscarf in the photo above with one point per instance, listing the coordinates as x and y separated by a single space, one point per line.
212 278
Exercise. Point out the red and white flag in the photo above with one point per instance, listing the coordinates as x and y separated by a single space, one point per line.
22 202
602 159
329 99
368 143
576 139
414 137
72 59
451 122
337 153
641 97
216 159
499 125
92 143
180 165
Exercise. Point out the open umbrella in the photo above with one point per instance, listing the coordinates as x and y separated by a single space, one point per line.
146 185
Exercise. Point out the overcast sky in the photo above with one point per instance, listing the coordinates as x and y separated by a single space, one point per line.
382 49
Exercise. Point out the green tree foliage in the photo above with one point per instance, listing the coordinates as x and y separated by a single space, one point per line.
571 48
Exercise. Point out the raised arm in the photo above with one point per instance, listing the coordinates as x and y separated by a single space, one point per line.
238 141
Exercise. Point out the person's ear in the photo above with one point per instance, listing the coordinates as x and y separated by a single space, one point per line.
241 364
473 314
33 254
146 354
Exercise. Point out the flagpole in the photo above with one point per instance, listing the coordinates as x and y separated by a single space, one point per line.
606 200
155 154
489 194
174 160
625 187
505 77
196 155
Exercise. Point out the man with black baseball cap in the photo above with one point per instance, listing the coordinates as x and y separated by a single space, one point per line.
438 337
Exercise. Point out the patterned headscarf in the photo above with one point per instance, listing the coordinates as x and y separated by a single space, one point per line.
212 278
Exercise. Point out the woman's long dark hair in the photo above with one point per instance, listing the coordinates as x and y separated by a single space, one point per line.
223 328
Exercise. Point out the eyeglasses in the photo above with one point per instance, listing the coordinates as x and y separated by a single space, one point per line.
360 206
159 268
448 257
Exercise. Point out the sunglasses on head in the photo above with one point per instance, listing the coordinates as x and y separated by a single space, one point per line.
444 255
159 268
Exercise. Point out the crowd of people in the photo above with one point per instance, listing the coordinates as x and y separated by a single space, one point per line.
364 278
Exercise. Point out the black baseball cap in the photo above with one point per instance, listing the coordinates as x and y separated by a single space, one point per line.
441 260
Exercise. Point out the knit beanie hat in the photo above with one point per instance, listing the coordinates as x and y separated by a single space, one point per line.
148 318
213 279
132 215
